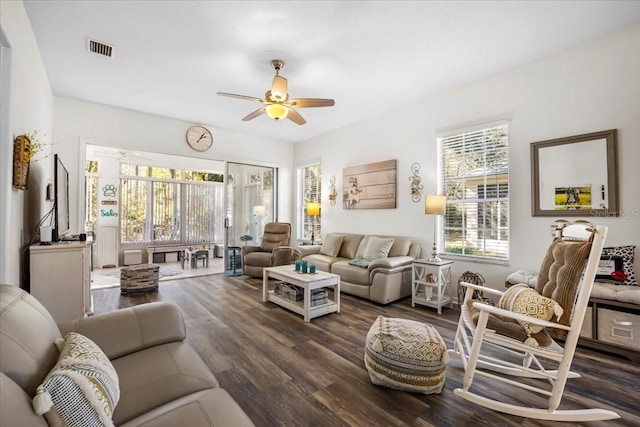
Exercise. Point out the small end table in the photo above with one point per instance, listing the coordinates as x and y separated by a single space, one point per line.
429 282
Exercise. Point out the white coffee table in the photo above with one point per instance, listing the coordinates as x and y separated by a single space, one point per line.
308 282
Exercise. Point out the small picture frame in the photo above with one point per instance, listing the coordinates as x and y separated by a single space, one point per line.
607 265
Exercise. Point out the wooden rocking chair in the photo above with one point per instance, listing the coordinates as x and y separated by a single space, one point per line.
518 347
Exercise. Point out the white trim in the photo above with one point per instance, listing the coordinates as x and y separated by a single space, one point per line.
471 127
6 153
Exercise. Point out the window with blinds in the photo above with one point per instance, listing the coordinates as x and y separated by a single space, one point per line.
162 205
310 191
474 176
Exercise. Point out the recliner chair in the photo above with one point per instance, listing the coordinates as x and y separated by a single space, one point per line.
274 250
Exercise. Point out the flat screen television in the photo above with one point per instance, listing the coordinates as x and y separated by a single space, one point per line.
61 199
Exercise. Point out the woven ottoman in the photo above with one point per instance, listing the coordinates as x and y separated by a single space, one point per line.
406 355
140 278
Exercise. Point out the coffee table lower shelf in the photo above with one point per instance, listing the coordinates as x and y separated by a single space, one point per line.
298 307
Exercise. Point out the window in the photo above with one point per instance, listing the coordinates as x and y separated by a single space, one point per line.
164 205
474 176
310 178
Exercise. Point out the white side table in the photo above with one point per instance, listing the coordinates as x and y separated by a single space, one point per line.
429 283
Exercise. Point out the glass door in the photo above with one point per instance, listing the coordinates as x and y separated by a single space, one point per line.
250 200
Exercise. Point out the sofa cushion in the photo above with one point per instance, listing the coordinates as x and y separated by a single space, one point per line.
331 245
350 245
350 273
400 247
16 408
322 262
158 375
377 247
207 408
82 389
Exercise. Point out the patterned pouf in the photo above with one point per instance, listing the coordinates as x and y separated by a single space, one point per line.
139 279
406 355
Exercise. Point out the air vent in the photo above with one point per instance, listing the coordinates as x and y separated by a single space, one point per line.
100 48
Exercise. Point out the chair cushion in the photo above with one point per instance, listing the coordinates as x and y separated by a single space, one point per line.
524 300
331 245
560 275
258 259
377 247
82 389
275 234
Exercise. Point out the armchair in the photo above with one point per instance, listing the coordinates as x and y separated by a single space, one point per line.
274 250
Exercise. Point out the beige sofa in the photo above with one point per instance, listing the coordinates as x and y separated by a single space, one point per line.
384 271
162 380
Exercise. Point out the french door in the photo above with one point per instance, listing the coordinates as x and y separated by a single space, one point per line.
251 202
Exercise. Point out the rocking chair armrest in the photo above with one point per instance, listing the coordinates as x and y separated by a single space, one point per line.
517 316
482 288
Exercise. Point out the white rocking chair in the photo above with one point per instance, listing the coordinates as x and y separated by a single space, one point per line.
478 360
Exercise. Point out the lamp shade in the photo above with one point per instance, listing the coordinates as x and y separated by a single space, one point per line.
277 111
434 204
313 209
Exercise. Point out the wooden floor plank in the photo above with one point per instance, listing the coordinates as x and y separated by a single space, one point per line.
285 372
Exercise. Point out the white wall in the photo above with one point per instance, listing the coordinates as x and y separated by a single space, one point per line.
586 89
30 108
80 122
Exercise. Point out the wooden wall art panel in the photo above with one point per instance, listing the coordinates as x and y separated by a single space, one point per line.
370 186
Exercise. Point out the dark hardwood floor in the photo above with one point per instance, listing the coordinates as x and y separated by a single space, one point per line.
285 372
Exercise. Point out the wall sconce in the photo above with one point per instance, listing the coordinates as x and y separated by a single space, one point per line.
415 182
332 191
313 210
435 205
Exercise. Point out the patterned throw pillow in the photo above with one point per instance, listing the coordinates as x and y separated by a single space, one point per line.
524 300
82 389
628 254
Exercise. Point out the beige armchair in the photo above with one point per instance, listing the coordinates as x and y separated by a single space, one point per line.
274 250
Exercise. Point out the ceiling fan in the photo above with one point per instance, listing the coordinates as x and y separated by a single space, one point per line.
276 102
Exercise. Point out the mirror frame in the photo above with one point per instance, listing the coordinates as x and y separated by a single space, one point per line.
612 174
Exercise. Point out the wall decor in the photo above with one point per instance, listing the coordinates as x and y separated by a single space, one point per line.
21 157
416 186
332 191
575 176
370 186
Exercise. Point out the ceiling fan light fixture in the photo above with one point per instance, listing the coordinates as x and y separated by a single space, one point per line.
277 111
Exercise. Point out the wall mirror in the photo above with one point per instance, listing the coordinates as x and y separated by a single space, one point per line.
575 176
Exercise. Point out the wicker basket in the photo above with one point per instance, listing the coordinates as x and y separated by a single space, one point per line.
139 278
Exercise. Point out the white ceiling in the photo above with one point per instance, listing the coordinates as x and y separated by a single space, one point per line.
171 57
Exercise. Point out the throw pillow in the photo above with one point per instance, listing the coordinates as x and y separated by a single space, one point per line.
628 254
82 389
524 300
331 245
377 247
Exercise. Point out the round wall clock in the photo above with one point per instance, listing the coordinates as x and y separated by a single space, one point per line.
199 138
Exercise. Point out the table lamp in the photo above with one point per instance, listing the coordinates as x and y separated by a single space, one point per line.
313 210
434 205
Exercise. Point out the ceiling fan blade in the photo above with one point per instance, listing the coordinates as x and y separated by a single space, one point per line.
255 114
246 98
295 117
279 88
312 102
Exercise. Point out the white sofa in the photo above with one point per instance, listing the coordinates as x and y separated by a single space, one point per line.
384 271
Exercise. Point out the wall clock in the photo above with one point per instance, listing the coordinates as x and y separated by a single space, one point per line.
199 138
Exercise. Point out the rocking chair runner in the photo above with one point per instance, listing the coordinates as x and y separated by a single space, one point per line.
564 281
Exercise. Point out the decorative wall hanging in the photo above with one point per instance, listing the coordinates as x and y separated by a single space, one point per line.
332 191
416 186
370 186
21 157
